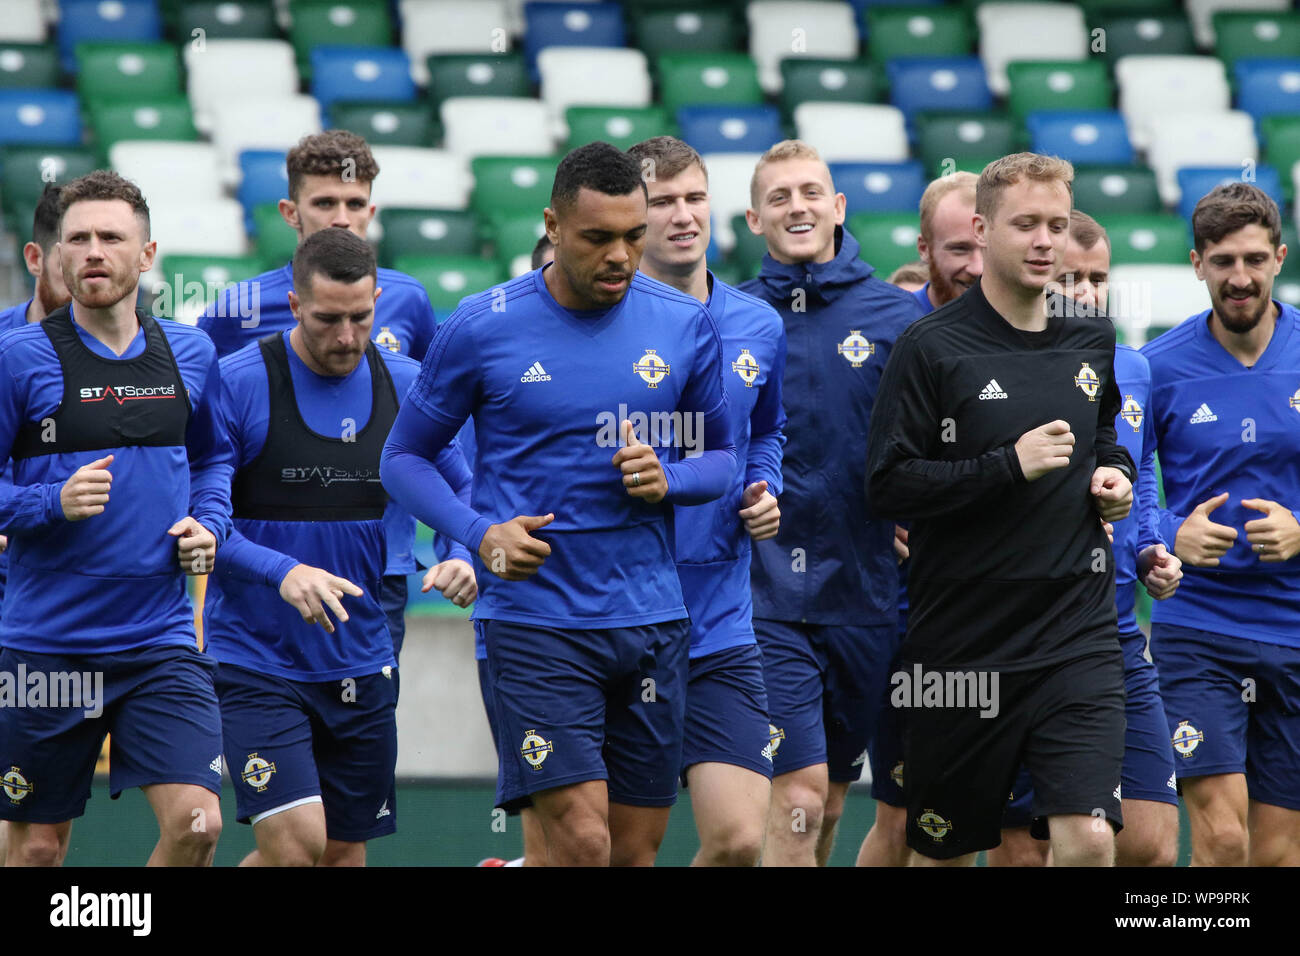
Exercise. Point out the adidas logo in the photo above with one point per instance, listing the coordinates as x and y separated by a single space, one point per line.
1172 782
384 811
535 373
992 390
862 758
215 766
1203 414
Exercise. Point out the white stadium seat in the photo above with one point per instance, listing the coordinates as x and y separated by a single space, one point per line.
23 22
591 76
202 227
418 178
168 172
1201 13
237 71
784 28
451 26
1201 138
1161 295
1151 86
496 125
262 123
853 132
1028 31
729 175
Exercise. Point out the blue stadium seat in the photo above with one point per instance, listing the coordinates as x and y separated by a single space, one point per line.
360 73
263 179
730 128
1267 86
880 187
917 84
1196 181
46 117
1081 136
570 24
82 21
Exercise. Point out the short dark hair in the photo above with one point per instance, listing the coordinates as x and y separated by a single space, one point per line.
599 166
1230 207
337 254
45 223
335 152
1086 231
666 157
544 245
104 184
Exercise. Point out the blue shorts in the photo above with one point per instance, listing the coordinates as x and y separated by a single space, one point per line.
589 704
825 688
886 748
1233 706
288 741
157 702
490 708
726 712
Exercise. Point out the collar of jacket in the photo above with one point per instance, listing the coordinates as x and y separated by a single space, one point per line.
822 280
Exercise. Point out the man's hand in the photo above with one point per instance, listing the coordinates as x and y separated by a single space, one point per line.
197 547
1113 493
1045 448
510 552
454 579
759 511
311 591
901 550
1200 542
85 494
643 475
4 543
1159 571
1276 536
1109 529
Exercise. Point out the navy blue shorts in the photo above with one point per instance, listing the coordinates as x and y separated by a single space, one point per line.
158 703
287 742
886 748
490 708
589 704
726 712
1233 706
826 687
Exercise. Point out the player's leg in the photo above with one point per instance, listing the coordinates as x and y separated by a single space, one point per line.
38 844
635 833
289 836
1147 784
1273 760
1217 810
575 823
189 823
1018 846
534 838
886 842
836 791
343 853
1150 834
794 819
730 805
1079 840
1274 835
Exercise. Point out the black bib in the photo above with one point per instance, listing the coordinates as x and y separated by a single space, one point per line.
109 403
303 476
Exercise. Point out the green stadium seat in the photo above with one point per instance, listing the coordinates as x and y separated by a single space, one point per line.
114 72
1115 190
448 279
621 126
161 119
24 171
474 74
958 137
195 278
387 123
923 30
510 185
337 23
1130 34
225 20
750 249
1058 85
427 232
1137 239
829 81
1286 287
686 79
516 236
1258 33
706 29
28 66
1281 142
276 241
887 240
1092 8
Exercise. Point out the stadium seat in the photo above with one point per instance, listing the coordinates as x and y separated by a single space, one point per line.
917 31
1151 86
420 178
276 240
357 23
732 273
395 124
570 25
427 232
1081 136
262 123
263 178
1266 86
783 28
360 73
1195 181
480 125
1058 85
198 227
887 239
853 132
586 76
28 66
1107 190
223 20
82 21
729 176
880 187
1281 141
1200 138
1248 34
686 79
1161 237
170 171
114 72
515 236
730 128
749 249
27 169
676 31
237 70
1143 296
940 83
509 185
168 118
829 81
622 126
1145 34
451 26
474 74
1044 31
194 282
944 141
1201 13
23 22
448 279
49 117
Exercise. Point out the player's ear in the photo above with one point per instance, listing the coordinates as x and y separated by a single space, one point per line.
147 255
552 223
33 257
751 220
979 224
1197 264
295 304
1277 267
289 213
841 208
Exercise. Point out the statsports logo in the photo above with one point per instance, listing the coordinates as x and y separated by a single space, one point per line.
126 393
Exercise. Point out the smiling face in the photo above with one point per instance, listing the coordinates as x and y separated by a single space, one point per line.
1023 239
797 210
599 240
954 257
678 219
102 251
1239 271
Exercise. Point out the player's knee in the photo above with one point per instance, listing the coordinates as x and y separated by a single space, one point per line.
584 844
803 805
36 850
1153 849
1223 844
738 844
196 843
